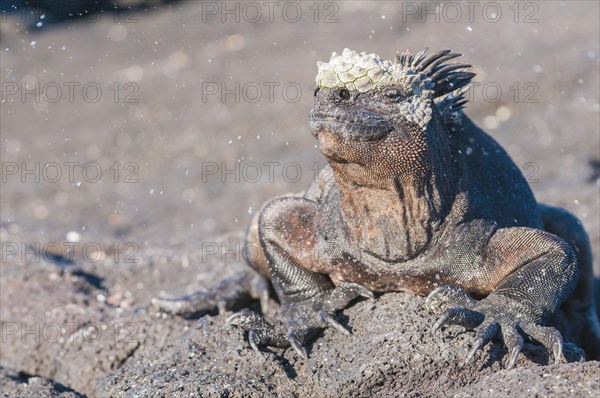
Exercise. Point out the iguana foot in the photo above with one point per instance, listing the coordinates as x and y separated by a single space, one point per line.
230 292
301 319
260 332
495 316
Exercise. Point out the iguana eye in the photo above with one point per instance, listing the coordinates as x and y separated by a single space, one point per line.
393 93
317 91
344 94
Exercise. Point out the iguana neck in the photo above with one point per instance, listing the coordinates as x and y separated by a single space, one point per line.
395 220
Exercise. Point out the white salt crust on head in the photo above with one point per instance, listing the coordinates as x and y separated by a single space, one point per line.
364 72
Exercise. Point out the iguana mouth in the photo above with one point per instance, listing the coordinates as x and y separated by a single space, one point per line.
356 126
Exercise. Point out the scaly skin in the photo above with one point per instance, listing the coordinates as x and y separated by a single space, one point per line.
418 198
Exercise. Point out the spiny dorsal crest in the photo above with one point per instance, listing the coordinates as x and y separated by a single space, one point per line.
423 77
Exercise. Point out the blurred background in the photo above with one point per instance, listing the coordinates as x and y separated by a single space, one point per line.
162 124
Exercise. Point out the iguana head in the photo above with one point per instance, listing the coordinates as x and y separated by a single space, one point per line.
369 111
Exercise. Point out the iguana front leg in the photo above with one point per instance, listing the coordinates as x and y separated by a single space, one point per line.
533 273
287 228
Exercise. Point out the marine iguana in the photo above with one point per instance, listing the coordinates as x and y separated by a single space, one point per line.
415 198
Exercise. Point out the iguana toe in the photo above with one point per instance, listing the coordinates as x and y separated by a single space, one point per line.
343 294
446 294
460 316
331 321
296 338
485 333
513 341
548 336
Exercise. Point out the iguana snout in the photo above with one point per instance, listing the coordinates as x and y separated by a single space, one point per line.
351 122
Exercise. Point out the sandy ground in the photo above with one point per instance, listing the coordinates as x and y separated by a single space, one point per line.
144 138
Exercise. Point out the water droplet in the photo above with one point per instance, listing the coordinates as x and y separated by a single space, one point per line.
73 236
